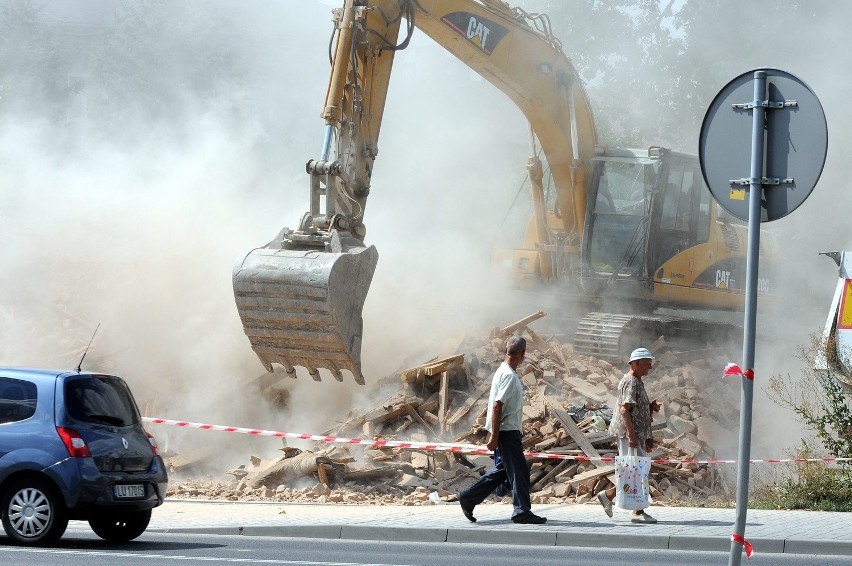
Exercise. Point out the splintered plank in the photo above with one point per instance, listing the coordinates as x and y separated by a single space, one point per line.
585 389
431 368
575 433
542 345
551 474
521 323
443 400
596 473
412 412
467 405
391 412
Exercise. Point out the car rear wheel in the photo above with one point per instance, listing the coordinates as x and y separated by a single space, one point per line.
121 527
33 512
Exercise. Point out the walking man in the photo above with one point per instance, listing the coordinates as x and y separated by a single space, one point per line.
631 422
505 415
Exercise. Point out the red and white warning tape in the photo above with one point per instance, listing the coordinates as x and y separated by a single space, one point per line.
749 549
451 446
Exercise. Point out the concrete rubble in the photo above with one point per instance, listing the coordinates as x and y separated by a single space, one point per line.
568 404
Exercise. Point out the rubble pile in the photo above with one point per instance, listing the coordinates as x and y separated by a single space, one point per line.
569 401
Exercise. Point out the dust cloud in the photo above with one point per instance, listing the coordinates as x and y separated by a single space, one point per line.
803 281
127 208
131 184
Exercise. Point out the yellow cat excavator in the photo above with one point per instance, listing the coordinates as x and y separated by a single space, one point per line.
637 225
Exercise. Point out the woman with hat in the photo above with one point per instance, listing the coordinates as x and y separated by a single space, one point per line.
631 422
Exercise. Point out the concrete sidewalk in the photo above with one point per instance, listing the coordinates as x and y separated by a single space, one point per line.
681 528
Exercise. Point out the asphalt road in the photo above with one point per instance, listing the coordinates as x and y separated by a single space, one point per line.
80 548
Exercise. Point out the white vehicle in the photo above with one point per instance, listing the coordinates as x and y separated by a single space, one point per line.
836 352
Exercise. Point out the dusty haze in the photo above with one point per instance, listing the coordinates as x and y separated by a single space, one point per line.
138 230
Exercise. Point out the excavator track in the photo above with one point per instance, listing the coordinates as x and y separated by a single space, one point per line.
612 336
599 334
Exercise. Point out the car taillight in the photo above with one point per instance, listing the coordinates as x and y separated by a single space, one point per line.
153 441
73 442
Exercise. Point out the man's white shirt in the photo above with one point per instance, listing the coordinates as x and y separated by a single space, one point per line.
506 386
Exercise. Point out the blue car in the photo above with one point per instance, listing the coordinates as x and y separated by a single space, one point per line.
72 447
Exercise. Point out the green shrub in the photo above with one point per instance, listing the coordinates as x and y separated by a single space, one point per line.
819 400
817 486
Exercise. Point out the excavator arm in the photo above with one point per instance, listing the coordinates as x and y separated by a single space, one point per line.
300 297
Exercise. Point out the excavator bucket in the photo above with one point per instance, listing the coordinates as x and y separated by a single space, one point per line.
303 307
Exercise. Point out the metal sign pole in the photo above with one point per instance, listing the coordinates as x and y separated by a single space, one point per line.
789 140
750 317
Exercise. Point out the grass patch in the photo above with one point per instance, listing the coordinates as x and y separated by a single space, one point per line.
812 486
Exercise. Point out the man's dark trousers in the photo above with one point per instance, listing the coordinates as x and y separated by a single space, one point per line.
512 465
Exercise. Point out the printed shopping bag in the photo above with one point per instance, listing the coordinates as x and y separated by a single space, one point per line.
631 479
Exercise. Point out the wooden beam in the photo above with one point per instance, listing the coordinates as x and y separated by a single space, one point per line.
443 401
575 433
441 366
601 437
583 388
596 473
412 412
544 346
537 340
391 412
432 367
322 473
505 331
657 344
468 405
550 475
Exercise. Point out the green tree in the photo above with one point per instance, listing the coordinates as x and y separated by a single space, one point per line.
652 67
623 50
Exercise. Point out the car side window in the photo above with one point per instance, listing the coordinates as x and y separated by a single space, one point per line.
17 400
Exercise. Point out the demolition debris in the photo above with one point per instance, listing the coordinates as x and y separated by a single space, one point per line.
568 403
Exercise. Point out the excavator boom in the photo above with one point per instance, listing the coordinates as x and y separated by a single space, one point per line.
614 226
300 297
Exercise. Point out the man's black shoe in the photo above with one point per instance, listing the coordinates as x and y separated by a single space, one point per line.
529 518
468 511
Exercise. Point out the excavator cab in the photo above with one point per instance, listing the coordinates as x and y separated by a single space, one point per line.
617 223
654 234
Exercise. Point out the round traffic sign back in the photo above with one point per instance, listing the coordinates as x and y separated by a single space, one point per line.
796 142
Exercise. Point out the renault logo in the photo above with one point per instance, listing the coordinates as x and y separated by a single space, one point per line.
124 441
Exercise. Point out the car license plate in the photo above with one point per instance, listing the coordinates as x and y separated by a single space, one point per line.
129 491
